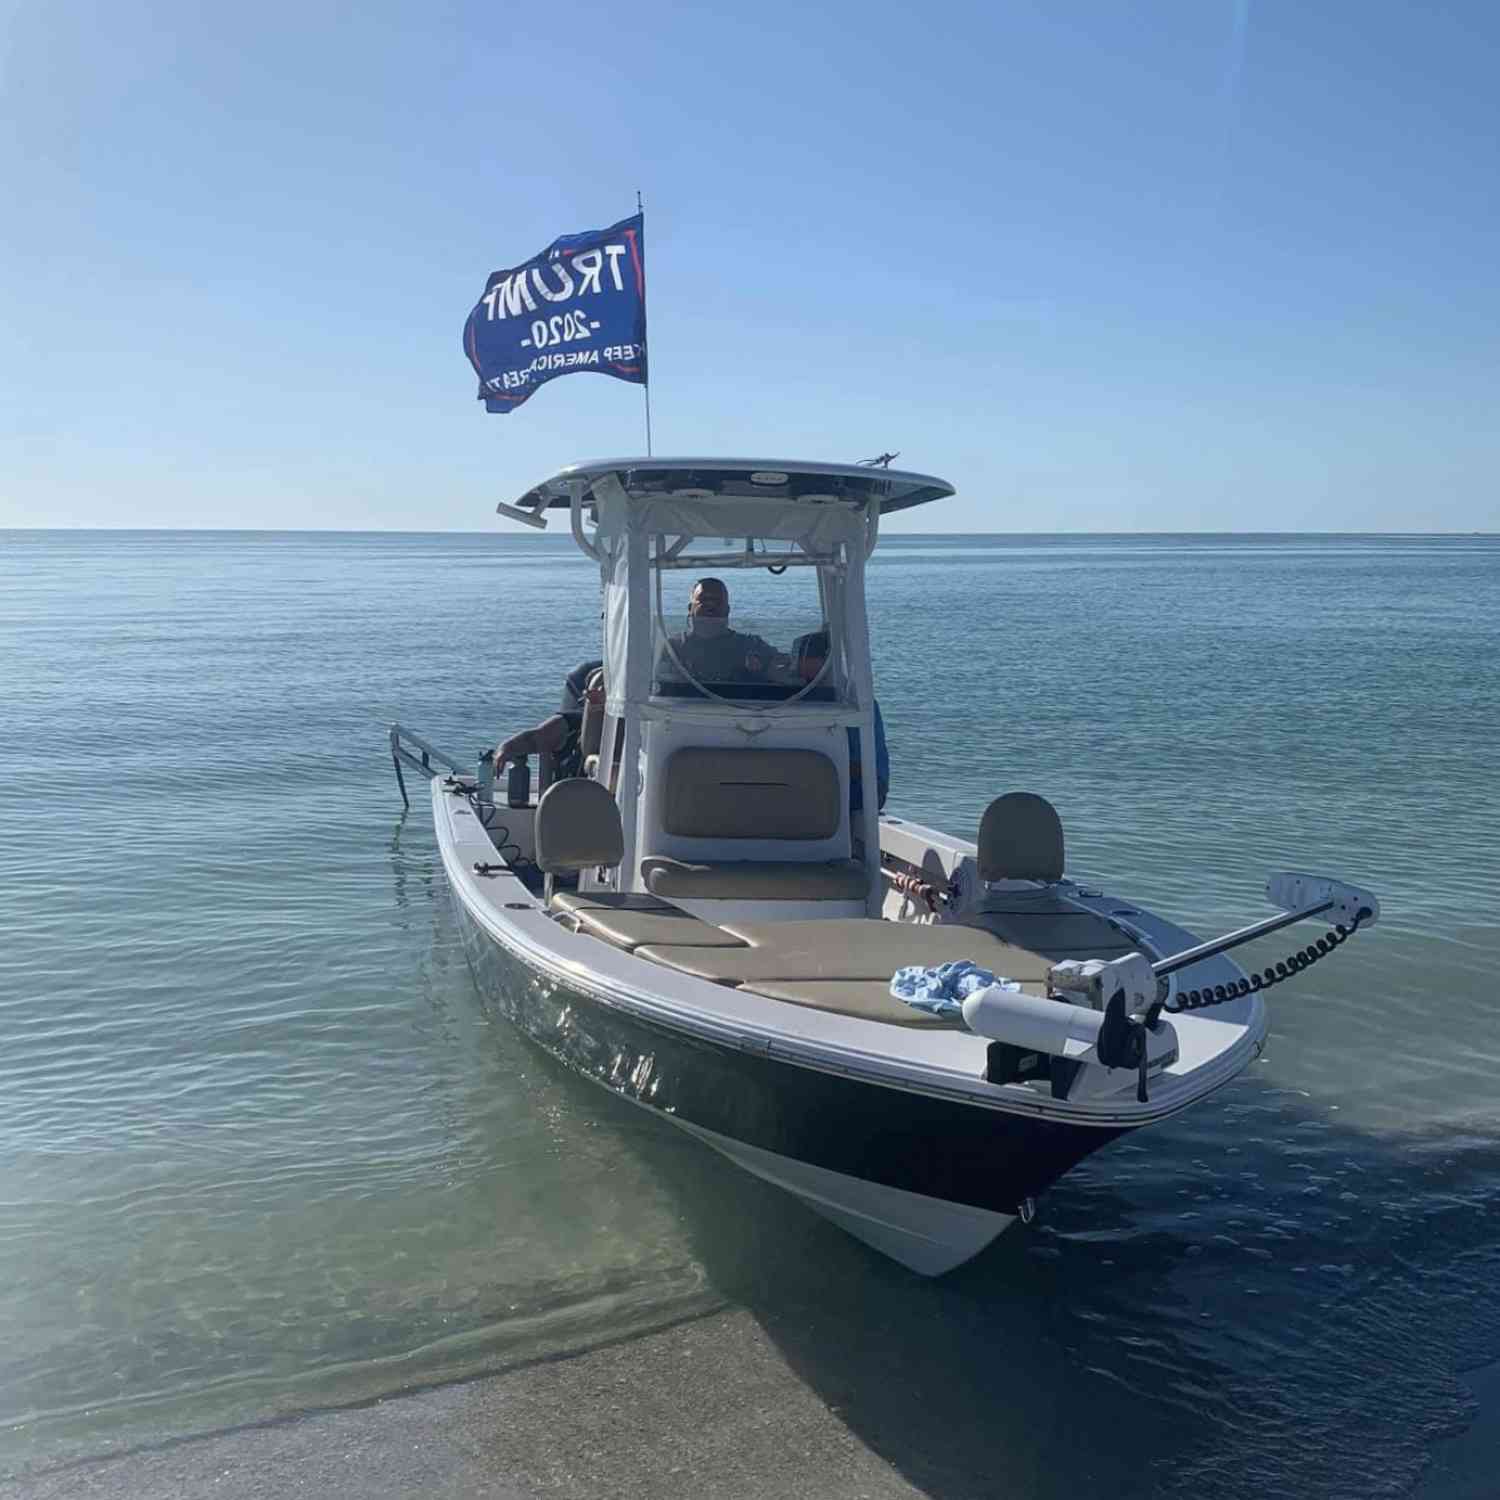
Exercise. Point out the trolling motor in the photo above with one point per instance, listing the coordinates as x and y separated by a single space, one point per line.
1108 1013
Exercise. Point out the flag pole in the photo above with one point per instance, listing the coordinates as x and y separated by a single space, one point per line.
645 384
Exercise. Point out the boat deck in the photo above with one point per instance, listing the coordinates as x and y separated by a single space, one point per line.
840 964
609 949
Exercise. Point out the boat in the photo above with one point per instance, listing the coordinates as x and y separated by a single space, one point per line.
707 920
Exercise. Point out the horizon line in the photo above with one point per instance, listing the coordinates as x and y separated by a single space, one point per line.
531 536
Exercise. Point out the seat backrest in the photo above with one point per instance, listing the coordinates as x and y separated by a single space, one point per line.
578 826
718 793
1020 838
591 730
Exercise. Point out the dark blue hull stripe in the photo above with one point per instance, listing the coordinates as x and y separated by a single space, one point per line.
941 1148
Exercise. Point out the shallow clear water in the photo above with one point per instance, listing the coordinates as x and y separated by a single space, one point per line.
262 1150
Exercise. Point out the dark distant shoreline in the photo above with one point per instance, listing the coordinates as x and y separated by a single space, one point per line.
886 537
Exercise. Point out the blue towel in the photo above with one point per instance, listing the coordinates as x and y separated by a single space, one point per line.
941 991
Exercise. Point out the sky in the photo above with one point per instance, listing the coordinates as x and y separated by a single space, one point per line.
1104 265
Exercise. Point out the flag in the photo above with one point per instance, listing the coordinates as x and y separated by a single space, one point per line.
579 305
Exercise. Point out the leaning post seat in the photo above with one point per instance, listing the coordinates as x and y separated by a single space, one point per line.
714 793
715 800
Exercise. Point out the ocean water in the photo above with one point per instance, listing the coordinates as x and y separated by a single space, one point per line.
262 1150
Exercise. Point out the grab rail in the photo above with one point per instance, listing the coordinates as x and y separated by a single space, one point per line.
401 738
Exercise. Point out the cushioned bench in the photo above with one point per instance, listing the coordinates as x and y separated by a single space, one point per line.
840 965
852 948
869 999
630 920
1046 924
755 880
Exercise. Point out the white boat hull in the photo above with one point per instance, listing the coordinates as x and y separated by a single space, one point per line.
928 1235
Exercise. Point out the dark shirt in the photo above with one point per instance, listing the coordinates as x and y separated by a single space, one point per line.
717 658
882 767
567 759
575 683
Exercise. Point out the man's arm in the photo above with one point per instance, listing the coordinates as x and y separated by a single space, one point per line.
667 669
549 736
762 659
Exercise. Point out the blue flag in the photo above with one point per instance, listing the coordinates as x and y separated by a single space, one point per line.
579 305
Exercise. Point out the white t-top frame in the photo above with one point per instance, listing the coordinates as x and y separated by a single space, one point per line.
826 516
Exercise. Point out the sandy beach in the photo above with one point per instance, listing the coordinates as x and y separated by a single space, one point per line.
706 1408
709 1407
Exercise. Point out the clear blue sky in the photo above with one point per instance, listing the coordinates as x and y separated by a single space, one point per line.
1119 265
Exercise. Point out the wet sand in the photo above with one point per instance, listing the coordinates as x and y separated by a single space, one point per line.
706 1408
709 1407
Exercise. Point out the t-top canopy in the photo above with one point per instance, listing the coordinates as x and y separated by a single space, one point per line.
772 479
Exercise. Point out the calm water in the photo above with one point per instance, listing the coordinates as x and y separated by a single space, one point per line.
262 1150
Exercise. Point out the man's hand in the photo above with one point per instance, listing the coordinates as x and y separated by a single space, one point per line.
513 750
548 736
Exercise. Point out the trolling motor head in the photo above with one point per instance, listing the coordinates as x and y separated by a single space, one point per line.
1095 981
1110 1019
1129 993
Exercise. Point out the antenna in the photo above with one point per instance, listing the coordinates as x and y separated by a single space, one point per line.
640 208
881 461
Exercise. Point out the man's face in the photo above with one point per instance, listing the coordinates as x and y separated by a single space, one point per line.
708 608
709 599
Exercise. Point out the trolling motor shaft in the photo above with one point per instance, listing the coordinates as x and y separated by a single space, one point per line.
1300 896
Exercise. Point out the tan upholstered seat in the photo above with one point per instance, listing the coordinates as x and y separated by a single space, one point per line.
630 919
845 949
1020 838
755 880
869 999
579 901
577 825
724 794
718 793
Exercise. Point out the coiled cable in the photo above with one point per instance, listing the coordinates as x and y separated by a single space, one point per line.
1292 964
